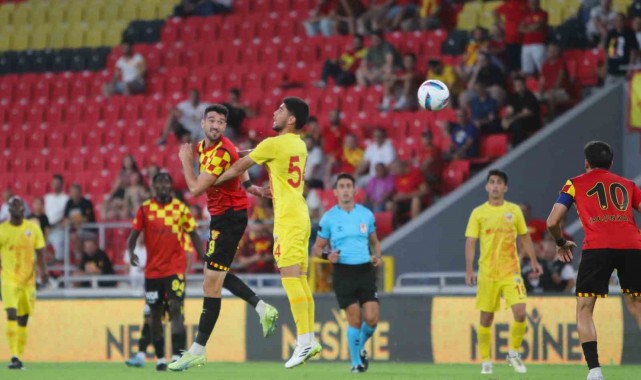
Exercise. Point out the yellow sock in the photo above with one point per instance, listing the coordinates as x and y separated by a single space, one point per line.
485 336
12 337
22 340
517 331
298 303
310 301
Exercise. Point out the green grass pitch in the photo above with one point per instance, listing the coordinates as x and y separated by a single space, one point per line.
311 371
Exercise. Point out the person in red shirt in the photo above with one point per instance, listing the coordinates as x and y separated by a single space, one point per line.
535 31
429 158
510 14
333 134
605 204
553 83
343 69
405 82
410 189
227 205
536 227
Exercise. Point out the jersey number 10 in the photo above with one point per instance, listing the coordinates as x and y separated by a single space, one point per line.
618 195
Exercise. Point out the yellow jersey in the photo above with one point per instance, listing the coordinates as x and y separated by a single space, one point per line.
497 227
18 246
285 157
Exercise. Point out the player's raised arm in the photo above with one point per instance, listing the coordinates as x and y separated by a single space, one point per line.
236 170
197 185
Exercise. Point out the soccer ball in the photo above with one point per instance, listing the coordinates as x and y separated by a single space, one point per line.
433 95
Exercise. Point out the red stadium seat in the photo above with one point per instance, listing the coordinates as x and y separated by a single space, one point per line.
93 139
73 139
35 115
16 116
494 146
384 223
91 113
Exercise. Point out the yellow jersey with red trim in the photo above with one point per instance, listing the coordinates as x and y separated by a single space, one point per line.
18 245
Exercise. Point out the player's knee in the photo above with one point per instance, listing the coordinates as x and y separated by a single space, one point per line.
371 320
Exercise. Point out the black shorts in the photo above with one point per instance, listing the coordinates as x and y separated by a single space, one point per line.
596 269
354 283
225 233
180 131
158 291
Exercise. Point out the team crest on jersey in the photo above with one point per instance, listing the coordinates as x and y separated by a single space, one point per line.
27 233
214 234
363 228
518 279
509 216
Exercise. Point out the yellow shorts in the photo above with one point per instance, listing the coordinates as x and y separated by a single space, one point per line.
488 297
291 246
21 298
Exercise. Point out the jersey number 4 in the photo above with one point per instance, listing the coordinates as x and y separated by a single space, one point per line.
618 195
296 170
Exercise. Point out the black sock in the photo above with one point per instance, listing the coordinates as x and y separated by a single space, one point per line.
145 339
238 288
591 354
159 347
208 318
178 343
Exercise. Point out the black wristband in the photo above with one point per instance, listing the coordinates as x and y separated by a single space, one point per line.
247 184
560 242
325 255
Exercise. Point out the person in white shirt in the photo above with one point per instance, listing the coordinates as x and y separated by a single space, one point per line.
380 150
55 203
184 120
137 273
601 21
129 74
314 165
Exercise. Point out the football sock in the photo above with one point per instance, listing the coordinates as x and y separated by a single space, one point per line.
310 305
12 337
208 318
366 332
299 306
178 343
484 335
145 338
591 354
517 331
353 337
159 347
238 288
21 340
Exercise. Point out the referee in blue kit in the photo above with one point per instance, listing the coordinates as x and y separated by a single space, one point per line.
348 231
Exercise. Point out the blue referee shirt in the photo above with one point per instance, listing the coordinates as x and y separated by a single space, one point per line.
348 232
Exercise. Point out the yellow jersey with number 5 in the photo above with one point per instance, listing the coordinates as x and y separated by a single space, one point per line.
285 157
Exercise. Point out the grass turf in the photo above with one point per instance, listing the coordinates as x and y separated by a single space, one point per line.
311 371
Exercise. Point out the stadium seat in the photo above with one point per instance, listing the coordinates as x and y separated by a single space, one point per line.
384 223
494 146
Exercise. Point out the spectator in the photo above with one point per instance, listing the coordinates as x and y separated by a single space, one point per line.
379 189
636 28
128 168
39 216
184 120
314 204
554 80
381 60
347 12
372 18
622 49
488 74
405 83
430 13
380 150
509 15
557 277
478 43
535 30
334 134
263 210
429 158
202 8
445 73
601 22
347 160
536 227
114 209
135 193
237 112
313 130
314 165
55 203
343 69
129 73
523 114
410 189
321 19
95 262
257 256
465 137
400 10
137 273
79 210
496 45
484 111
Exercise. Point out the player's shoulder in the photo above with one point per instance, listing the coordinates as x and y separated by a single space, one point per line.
480 208
178 204
512 206
364 210
147 203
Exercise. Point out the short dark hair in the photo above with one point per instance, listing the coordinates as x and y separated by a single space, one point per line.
235 91
410 54
160 175
58 177
299 108
77 186
312 119
520 78
499 173
218 108
379 33
345 176
598 154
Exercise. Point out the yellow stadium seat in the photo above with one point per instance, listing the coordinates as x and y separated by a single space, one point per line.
40 36
129 11
21 14
20 37
94 35
111 12
57 37
555 16
75 36
472 6
38 14
56 15
486 16
148 11
75 12
113 34
5 13
467 20
165 8
5 40
621 5
93 13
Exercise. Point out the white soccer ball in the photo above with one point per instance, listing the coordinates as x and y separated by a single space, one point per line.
433 95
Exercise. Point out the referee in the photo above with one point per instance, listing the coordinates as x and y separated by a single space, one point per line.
349 232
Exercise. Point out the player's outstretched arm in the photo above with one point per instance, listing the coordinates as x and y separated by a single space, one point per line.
236 170
564 247
470 252
197 185
131 246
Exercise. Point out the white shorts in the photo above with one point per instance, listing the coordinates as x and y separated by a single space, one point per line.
532 58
